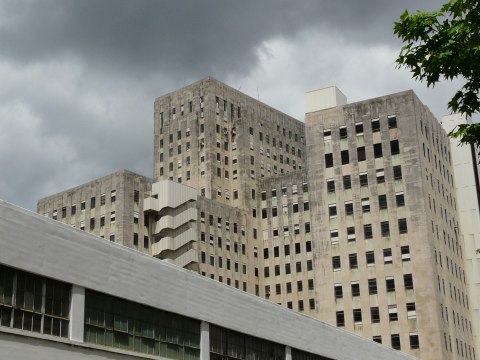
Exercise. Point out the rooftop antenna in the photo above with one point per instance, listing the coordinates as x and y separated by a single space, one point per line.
258 94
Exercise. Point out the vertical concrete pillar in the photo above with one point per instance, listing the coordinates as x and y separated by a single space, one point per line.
288 353
77 313
204 341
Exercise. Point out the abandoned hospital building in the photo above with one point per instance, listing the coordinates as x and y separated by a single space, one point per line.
259 236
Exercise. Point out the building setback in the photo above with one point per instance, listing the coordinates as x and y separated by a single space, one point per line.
349 218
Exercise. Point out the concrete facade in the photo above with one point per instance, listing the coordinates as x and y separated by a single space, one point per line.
60 256
349 217
110 207
384 205
465 164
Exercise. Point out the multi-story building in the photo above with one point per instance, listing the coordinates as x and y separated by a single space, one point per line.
386 227
349 217
110 207
465 163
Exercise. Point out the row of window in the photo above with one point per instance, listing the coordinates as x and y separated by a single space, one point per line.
93 201
288 288
286 249
462 347
284 191
367 228
395 341
370 258
375 314
33 303
359 128
361 154
372 286
298 268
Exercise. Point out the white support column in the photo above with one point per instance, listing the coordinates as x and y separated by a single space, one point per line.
288 353
204 341
77 314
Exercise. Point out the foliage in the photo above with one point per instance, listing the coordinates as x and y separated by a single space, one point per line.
446 44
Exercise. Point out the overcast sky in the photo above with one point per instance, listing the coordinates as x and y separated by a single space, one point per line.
78 78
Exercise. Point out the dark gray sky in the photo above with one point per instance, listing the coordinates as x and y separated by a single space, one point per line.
78 78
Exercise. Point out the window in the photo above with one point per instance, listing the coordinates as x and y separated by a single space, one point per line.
375 314
367 231
357 316
328 160
414 342
392 122
361 153
266 271
400 199
340 318
392 312
365 205
405 250
402 226
363 179
334 237
330 185
265 253
397 172
349 207
377 339
355 288
387 256
395 338
394 147
338 291
92 203
345 157
352 260
408 281
343 132
380 173
336 263
332 210
298 266
74 209
309 265
351 233
298 248
372 286
382 202
390 284
370 257
307 228
377 150
375 125
277 270
347 182
411 311
327 134
311 304
385 228
359 128
306 206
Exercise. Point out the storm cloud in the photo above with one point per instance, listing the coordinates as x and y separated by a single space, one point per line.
78 78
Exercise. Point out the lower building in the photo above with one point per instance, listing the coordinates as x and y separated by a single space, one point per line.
122 304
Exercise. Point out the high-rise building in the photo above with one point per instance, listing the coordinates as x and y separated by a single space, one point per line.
349 217
466 169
